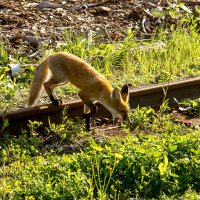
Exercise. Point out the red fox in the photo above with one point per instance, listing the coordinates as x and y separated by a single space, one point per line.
60 68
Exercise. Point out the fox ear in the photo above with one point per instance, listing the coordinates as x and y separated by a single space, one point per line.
115 95
125 93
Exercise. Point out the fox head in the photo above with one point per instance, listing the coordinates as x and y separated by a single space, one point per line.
119 107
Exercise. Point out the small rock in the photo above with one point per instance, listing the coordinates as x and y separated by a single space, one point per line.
33 40
196 127
49 5
15 69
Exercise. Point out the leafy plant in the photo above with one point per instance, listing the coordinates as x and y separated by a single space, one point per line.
191 106
146 118
164 165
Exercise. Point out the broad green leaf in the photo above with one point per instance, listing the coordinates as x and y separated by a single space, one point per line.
157 154
165 161
172 147
140 150
174 175
163 166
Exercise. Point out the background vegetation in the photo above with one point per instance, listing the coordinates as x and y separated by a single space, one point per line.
166 57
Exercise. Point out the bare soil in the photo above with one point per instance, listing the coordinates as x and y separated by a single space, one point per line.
26 25
189 119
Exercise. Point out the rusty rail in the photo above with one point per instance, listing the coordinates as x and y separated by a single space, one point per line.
147 95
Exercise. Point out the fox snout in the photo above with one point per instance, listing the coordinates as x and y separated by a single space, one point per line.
124 118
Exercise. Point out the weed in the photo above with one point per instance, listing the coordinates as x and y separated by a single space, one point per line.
3 54
154 166
190 106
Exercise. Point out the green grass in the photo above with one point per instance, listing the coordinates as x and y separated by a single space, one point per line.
3 53
163 58
162 165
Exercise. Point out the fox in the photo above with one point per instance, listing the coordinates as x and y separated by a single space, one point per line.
63 67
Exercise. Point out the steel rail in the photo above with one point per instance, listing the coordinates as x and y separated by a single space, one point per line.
146 95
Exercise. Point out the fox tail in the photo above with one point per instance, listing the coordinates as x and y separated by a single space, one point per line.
41 74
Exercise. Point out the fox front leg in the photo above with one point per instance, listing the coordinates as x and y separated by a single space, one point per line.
88 116
91 107
87 123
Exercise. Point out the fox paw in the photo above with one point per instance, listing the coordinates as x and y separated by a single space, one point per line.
87 124
57 102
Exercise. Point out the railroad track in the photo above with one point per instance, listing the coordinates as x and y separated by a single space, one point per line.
147 95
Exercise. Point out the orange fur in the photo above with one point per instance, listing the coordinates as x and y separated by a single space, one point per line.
60 68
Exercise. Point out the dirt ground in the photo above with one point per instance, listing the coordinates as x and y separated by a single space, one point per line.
104 128
26 25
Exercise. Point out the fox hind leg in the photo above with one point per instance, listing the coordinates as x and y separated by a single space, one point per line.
49 87
58 77
86 109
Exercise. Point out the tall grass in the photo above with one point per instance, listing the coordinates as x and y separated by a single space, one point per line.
164 57
3 53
